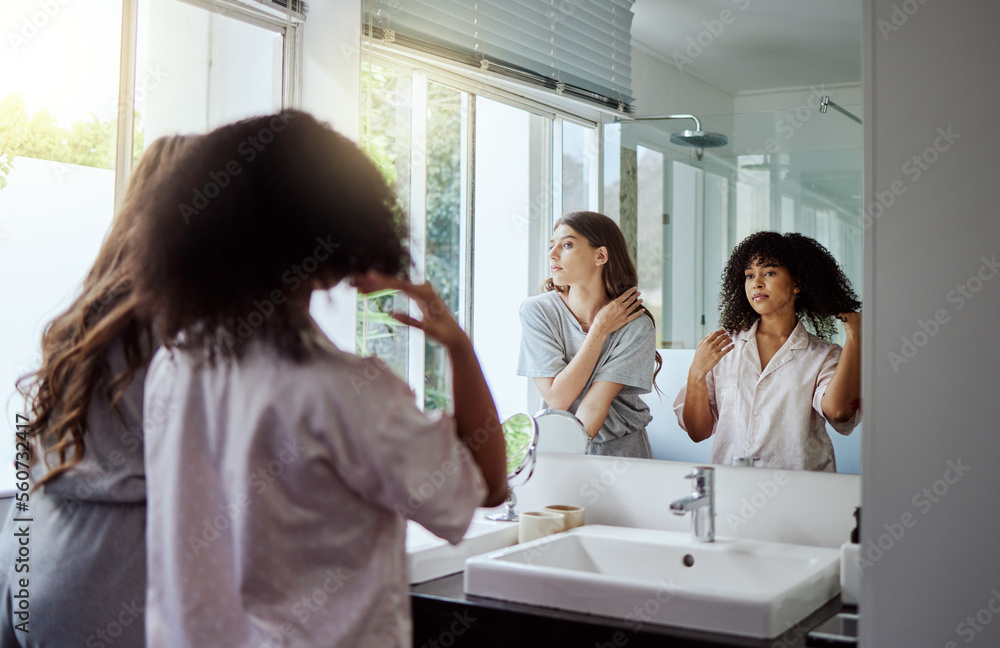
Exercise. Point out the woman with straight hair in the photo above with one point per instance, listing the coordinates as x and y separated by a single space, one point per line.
282 476
584 340
87 568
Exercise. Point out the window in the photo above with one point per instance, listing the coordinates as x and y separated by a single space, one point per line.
65 154
479 181
58 124
198 70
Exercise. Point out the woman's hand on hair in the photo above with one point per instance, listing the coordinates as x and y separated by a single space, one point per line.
437 323
708 353
618 312
852 324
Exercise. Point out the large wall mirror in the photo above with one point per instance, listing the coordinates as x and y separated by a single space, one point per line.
757 74
484 169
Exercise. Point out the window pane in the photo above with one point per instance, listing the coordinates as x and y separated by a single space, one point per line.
502 255
196 70
444 214
386 121
579 145
649 231
58 109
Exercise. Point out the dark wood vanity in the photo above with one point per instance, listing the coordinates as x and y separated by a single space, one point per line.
444 616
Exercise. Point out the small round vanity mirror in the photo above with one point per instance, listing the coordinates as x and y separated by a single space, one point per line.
560 431
520 433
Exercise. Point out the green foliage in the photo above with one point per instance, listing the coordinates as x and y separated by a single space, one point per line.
13 130
87 142
386 138
517 435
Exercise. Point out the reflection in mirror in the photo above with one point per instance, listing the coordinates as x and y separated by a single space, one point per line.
786 166
560 432
520 432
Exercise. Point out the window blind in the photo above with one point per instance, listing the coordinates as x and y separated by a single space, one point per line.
577 47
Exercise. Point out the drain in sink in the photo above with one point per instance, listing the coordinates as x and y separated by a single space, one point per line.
688 560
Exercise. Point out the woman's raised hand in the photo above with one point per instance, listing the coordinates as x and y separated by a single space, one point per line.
437 323
852 324
618 312
710 350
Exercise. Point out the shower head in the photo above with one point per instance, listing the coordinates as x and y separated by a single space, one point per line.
696 138
699 139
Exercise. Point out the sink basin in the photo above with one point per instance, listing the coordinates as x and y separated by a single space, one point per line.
429 557
735 586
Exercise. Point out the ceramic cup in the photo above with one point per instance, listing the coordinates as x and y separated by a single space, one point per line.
573 515
538 524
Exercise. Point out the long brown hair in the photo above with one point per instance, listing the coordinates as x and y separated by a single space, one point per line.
619 272
75 343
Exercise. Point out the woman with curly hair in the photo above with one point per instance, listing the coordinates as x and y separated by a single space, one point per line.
84 405
282 474
584 341
764 386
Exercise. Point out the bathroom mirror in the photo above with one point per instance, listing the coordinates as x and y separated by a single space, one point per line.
753 77
520 432
560 432
757 74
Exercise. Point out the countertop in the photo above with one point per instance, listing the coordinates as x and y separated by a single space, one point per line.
444 615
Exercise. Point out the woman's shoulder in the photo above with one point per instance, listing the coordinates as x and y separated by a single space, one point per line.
818 344
541 305
640 328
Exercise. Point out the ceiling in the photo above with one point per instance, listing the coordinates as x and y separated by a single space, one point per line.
766 45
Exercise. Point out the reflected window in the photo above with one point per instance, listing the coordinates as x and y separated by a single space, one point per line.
479 188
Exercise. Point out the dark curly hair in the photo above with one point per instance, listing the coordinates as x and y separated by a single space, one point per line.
824 290
253 212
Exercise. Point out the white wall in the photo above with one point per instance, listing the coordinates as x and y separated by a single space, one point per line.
936 72
778 505
661 88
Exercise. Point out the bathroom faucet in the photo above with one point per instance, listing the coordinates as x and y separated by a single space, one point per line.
701 503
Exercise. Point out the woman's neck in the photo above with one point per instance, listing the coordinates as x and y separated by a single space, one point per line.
777 325
585 301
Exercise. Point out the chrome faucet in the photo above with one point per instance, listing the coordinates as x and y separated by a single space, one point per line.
701 503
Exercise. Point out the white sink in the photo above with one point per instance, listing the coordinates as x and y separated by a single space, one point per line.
429 557
743 587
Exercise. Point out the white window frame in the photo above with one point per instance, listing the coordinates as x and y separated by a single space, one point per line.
545 151
290 27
